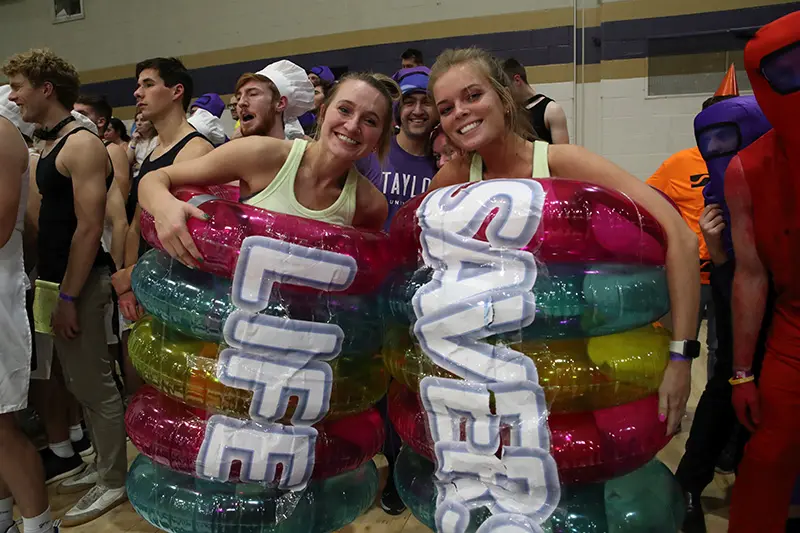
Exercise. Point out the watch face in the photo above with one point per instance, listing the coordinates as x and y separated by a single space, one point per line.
692 349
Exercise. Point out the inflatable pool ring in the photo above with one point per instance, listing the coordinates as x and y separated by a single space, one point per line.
588 447
197 304
572 300
186 369
580 222
178 503
171 434
220 238
576 374
647 500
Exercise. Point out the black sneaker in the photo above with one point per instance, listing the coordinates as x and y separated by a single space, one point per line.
390 500
695 521
83 447
57 468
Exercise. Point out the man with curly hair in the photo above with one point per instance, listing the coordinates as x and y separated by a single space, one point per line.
73 175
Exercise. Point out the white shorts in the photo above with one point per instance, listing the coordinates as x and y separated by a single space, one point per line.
15 345
43 352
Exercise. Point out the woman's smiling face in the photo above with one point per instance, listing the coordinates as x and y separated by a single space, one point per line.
471 112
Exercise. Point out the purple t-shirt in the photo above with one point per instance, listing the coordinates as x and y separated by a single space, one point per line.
402 177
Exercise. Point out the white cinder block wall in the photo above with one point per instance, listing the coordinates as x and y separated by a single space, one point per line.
639 132
614 117
123 32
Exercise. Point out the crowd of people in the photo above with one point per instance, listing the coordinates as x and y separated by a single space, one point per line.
348 151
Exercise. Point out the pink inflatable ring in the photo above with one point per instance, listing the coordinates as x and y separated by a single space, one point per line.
171 434
220 238
580 222
588 447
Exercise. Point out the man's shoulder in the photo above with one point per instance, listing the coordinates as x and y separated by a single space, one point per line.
84 143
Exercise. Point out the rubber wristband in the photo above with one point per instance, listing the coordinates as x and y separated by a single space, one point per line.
675 356
741 376
739 381
66 297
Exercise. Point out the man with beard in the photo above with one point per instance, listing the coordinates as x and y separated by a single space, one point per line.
410 166
272 98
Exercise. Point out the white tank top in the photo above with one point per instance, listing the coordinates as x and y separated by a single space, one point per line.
15 332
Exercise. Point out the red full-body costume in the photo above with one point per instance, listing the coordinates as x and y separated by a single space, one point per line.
762 188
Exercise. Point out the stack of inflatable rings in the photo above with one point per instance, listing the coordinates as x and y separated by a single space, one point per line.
175 347
600 288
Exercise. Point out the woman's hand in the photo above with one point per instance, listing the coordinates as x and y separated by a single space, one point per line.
674 393
129 307
121 280
712 224
170 217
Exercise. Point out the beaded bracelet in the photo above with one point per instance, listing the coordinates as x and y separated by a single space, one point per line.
741 376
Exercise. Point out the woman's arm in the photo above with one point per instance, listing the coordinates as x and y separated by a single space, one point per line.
574 162
683 274
253 161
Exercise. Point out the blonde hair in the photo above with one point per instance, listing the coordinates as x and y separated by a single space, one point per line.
488 66
386 86
41 66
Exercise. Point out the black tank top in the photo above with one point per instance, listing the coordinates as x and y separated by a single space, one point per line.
148 165
57 220
536 115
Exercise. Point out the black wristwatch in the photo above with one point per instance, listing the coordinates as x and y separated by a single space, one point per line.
684 350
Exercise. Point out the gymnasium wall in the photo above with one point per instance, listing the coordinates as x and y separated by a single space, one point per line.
631 87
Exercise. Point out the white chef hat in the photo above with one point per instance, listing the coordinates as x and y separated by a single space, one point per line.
86 122
292 82
9 110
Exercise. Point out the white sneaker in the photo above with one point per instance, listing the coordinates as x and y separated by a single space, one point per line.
12 529
83 481
94 504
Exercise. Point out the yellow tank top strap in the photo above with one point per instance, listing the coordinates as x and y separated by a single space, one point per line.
476 168
278 187
540 168
341 212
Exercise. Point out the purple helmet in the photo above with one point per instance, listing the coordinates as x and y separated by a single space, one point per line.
722 130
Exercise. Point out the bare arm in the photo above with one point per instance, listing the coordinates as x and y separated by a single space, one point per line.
245 160
86 162
750 280
31 234
122 169
131 246
574 162
115 214
556 121
14 158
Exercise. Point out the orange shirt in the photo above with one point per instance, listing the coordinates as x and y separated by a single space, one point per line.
682 177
